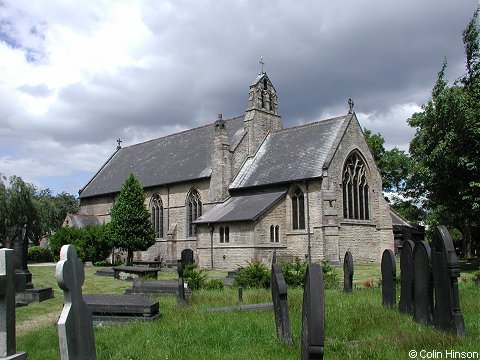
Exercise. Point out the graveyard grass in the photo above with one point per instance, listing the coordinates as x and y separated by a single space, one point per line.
357 326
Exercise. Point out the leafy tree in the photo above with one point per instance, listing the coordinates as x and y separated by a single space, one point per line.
130 221
376 144
446 146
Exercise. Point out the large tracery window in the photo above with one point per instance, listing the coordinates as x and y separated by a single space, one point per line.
298 209
156 208
194 210
355 189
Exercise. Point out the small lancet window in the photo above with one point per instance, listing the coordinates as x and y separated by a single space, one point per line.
194 210
224 234
355 189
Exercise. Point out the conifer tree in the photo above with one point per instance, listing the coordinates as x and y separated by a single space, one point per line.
130 224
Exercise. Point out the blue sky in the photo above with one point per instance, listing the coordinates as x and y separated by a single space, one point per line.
78 75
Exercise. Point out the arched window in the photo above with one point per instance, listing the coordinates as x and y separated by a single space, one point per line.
277 233
298 209
194 210
224 234
274 233
156 209
355 189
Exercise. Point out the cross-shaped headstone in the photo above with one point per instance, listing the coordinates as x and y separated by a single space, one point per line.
75 327
7 307
119 143
350 106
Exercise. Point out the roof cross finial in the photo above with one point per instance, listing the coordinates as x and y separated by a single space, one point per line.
350 106
119 142
261 62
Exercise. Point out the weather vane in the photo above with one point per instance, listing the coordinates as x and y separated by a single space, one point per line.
261 62
350 105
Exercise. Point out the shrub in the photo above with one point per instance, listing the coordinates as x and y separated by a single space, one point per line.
255 275
330 277
196 278
214 284
39 254
294 273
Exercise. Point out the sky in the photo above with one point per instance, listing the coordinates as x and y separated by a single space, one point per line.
77 75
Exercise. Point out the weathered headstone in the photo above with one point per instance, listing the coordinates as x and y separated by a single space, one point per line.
280 305
423 284
7 307
313 313
75 328
181 284
348 272
187 257
446 270
405 305
15 239
389 279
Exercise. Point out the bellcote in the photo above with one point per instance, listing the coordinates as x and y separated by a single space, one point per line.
262 95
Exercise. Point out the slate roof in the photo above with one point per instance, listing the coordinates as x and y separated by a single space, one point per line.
82 220
184 156
292 154
241 208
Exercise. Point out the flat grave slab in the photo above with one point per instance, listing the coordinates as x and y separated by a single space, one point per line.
156 288
135 270
119 308
248 307
34 295
105 272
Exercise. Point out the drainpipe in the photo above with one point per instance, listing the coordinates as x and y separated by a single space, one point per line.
212 229
308 226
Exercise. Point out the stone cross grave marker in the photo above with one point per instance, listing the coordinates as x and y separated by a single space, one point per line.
313 313
389 279
181 284
280 305
7 308
405 305
423 284
446 270
75 327
348 272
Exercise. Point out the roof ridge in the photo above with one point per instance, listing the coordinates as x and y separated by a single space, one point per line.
181 132
310 124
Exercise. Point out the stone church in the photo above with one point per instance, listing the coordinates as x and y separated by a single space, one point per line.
239 189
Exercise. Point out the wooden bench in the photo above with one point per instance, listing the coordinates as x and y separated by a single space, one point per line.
152 264
138 270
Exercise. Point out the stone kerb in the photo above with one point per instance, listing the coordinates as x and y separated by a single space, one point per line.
446 270
405 304
389 279
75 327
348 272
423 284
7 307
280 305
313 311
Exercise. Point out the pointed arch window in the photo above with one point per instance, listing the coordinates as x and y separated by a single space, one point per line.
156 210
298 209
194 210
355 189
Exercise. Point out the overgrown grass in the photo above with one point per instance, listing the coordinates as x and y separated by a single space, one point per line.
356 325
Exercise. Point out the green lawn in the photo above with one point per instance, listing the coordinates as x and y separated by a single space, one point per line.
356 325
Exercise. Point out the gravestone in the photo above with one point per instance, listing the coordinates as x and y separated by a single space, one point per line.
348 272
389 279
7 307
75 328
280 305
405 305
313 313
423 284
181 284
446 270
187 257
15 239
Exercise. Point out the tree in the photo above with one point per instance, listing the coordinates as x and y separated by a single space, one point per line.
130 224
446 146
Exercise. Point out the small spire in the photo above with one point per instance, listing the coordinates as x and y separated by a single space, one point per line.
119 142
350 106
261 62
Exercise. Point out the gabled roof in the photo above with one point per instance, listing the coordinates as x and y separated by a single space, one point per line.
82 220
292 154
241 208
184 156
